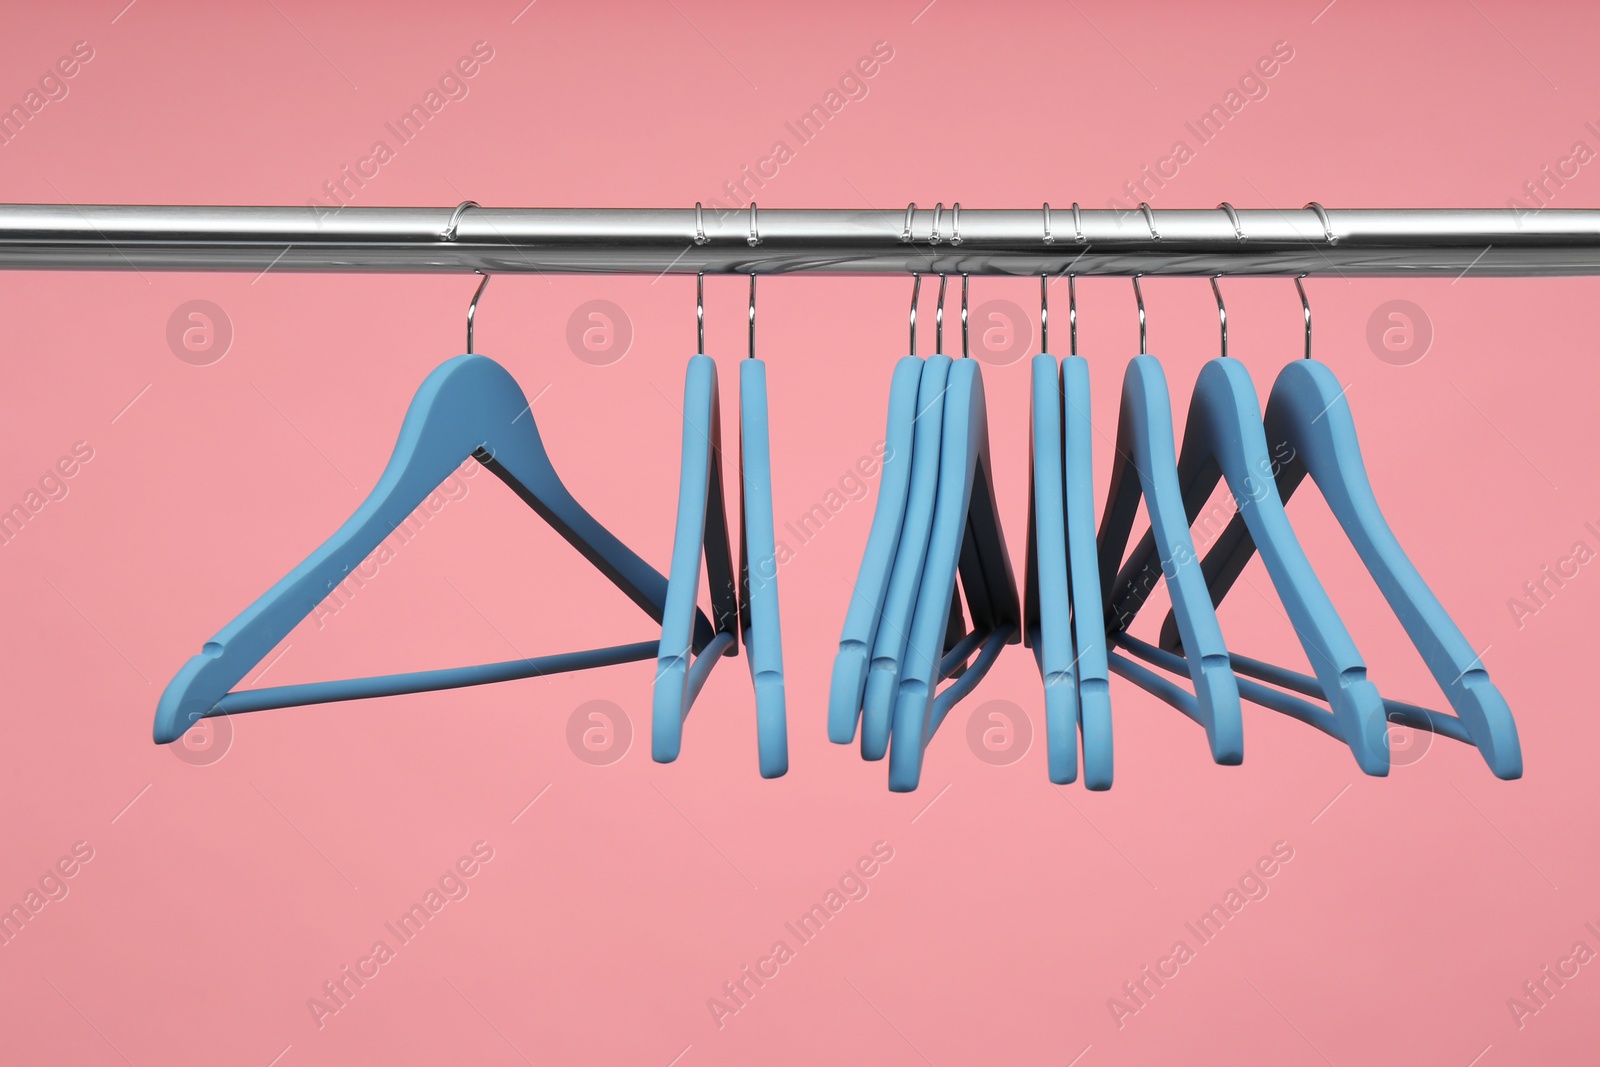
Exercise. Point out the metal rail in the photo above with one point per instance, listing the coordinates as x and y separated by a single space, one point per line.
1393 242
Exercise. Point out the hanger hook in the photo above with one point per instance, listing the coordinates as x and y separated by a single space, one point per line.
1222 313
472 308
752 315
1306 305
700 237
1072 312
916 291
1322 217
938 212
1149 220
1139 296
449 231
1077 224
755 233
1233 217
905 231
700 311
938 320
955 223
965 352
1049 238
1044 312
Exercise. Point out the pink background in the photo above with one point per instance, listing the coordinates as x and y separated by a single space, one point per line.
222 895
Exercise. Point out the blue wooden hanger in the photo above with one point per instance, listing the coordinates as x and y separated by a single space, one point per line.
702 532
904 591
1223 438
1046 593
1061 596
892 545
877 561
1088 618
905 580
468 407
1308 409
758 562
1144 443
965 520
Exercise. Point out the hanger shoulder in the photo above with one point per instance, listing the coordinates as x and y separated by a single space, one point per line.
963 449
1047 600
915 692
984 540
1145 442
877 560
1094 690
758 571
883 675
701 533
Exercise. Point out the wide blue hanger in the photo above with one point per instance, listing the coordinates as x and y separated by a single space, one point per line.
965 504
758 563
1088 617
1144 443
872 581
856 642
1062 615
468 407
905 580
1076 587
1046 593
1307 409
988 587
702 532
1223 439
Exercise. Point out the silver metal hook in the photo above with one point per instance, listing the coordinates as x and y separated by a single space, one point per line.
752 315
1048 239
1044 312
700 237
938 320
1149 220
965 353
472 308
1222 313
955 223
1072 312
1306 305
1077 223
700 311
911 214
1327 226
938 212
1139 296
916 292
1233 217
755 234
449 231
